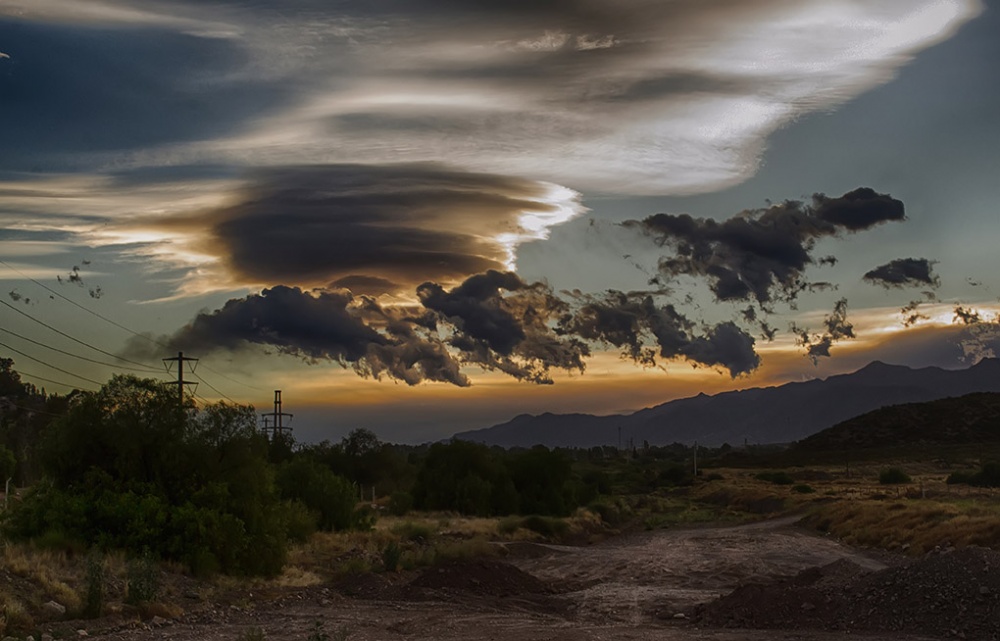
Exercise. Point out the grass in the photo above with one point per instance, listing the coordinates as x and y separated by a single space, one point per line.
916 526
49 570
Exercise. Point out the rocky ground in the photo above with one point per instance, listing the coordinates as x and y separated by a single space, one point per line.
767 581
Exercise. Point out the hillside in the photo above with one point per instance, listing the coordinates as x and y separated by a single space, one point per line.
973 418
781 414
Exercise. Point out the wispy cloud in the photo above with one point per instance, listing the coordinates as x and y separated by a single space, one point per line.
671 98
638 97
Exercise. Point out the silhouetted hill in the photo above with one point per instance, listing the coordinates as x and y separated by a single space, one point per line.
780 414
973 418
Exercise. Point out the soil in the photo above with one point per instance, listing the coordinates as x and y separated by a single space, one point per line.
667 585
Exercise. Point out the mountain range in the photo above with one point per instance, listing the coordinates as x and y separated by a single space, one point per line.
779 414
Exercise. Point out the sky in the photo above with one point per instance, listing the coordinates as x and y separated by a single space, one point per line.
425 216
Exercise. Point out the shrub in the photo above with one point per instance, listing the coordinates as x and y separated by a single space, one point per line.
390 556
547 526
400 503
802 488
416 532
94 601
614 514
893 476
961 477
143 579
674 474
778 478
330 497
987 476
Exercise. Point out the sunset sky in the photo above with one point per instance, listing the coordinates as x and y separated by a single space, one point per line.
426 216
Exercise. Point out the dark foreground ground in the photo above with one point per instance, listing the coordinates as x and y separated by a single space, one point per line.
767 581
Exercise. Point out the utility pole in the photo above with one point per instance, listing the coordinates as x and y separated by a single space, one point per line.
276 418
181 359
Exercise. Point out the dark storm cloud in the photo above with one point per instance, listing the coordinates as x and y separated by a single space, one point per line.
384 228
857 210
73 90
322 326
501 322
837 328
904 272
493 320
629 321
762 254
369 228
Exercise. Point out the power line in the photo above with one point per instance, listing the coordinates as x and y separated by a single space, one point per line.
49 380
58 369
123 327
83 358
211 387
73 302
31 409
84 343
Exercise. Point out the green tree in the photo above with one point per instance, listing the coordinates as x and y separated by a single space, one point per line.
128 467
330 497
466 477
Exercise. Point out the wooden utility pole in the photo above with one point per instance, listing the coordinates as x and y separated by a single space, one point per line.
277 424
181 359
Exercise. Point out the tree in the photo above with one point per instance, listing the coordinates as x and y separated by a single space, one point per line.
128 468
465 477
332 498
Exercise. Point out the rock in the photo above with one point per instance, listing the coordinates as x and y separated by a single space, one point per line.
82 633
192 594
158 622
984 590
808 606
47 637
54 608
29 638
680 615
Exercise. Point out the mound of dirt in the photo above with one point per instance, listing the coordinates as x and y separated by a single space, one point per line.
811 599
951 594
957 593
483 577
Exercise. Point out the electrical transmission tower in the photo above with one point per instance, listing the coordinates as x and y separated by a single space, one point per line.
274 422
180 382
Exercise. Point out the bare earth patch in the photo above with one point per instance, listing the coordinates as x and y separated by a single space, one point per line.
629 588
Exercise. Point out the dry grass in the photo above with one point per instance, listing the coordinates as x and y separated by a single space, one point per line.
14 616
52 571
916 525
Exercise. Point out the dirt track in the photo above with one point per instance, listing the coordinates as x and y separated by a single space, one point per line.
627 588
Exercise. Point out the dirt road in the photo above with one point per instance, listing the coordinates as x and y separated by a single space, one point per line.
630 588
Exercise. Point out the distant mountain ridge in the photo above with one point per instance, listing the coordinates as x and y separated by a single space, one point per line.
780 414
972 418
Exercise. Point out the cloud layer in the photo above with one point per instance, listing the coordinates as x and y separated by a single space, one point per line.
371 229
635 97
